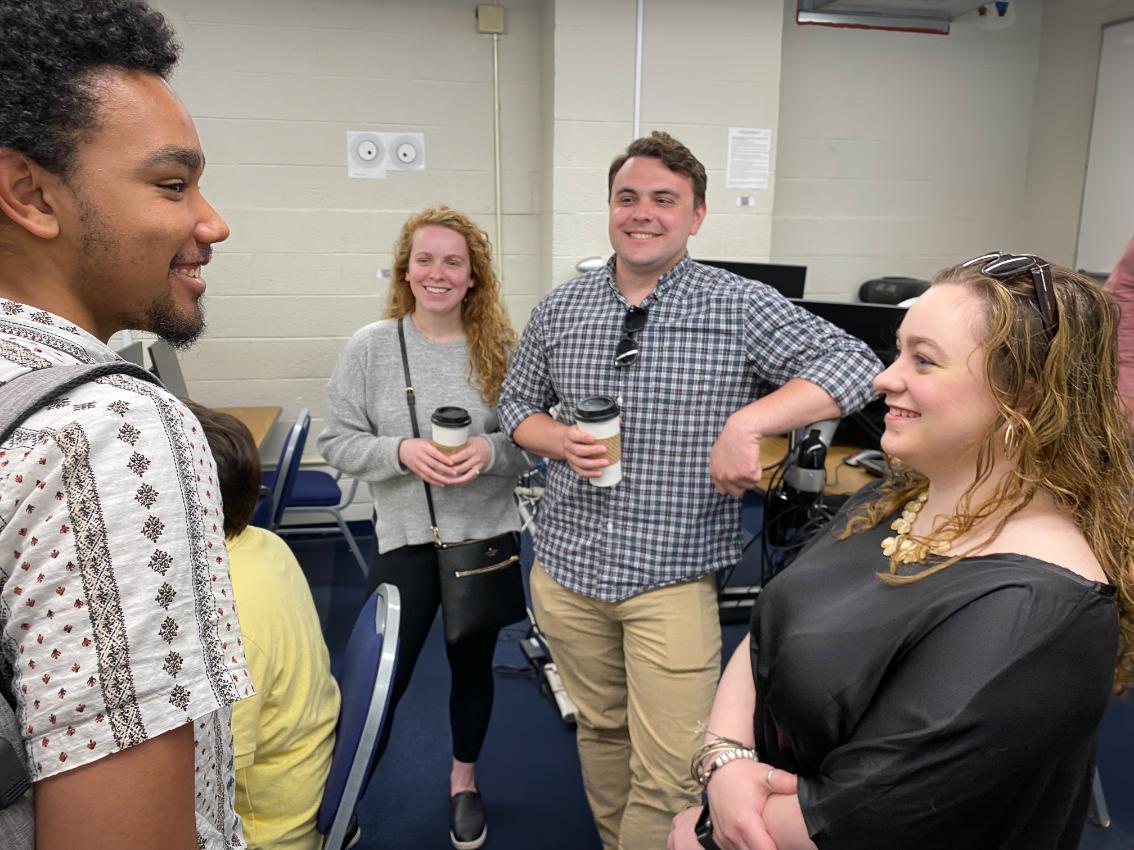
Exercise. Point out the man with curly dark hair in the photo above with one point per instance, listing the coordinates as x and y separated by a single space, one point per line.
120 649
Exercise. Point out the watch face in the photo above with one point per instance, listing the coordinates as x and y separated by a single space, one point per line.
703 830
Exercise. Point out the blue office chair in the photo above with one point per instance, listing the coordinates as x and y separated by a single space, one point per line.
313 490
276 484
365 682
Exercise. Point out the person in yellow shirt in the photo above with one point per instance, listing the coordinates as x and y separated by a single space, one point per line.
283 735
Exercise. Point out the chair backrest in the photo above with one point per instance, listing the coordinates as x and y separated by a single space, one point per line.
262 515
288 466
365 681
134 353
168 368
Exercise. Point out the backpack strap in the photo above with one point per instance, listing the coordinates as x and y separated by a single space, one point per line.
17 798
23 396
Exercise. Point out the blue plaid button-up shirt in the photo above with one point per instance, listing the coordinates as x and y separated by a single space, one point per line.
713 342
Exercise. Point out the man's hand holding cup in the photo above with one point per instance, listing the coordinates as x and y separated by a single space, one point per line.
585 456
593 445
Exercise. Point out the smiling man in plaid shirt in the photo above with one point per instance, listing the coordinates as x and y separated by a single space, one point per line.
623 586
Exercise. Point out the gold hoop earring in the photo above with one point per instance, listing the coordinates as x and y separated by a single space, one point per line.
1008 436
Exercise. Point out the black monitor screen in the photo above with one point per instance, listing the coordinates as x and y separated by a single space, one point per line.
874 324
877 326
787 280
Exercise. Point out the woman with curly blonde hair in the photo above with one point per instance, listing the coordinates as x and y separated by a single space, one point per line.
445 300
932 671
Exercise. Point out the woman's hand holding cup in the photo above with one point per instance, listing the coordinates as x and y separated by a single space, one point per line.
469 462
426 461
451 457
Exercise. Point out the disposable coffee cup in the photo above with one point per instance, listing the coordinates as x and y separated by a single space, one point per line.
450 429
599 415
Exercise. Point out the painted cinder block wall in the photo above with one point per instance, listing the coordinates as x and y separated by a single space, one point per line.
892 153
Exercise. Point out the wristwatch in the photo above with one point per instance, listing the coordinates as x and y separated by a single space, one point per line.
703 830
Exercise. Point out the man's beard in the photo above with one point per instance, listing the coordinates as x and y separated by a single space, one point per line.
179 330
160 316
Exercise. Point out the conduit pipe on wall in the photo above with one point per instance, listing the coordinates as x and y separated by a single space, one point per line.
496 155
638 27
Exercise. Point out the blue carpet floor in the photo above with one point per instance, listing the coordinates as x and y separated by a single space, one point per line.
529 768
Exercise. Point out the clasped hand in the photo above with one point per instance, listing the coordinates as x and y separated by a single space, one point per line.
734 464
737 792
433 466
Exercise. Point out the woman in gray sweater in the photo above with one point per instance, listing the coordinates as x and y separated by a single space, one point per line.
445 294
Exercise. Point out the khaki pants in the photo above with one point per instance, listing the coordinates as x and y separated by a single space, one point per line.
642 673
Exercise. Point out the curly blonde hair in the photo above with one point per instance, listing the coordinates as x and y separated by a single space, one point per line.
1066 435
491 337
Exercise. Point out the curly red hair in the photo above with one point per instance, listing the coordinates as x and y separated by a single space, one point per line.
491 337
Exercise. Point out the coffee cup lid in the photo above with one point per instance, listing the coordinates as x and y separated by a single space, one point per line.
451 417
597 408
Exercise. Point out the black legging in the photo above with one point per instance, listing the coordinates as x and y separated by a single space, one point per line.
413 569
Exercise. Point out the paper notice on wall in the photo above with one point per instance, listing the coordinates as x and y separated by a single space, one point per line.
749 158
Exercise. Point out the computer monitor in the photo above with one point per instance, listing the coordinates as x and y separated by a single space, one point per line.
134 353
787 280
877 326
168 369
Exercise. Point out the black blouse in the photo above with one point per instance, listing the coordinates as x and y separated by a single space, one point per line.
959 711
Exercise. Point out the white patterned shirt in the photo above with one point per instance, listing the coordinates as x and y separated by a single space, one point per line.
115 605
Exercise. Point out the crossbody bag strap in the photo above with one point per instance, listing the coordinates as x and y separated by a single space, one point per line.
411 401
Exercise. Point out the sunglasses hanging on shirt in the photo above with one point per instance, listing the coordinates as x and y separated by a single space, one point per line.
628 350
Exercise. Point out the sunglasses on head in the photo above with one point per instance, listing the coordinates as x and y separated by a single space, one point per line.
628 350
1004 267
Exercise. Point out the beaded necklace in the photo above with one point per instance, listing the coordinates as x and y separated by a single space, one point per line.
905 549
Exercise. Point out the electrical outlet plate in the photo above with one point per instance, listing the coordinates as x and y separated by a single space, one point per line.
490 19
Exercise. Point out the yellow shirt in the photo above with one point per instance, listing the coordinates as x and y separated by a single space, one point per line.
284 735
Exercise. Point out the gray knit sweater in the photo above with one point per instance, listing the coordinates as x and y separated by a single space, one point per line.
367 417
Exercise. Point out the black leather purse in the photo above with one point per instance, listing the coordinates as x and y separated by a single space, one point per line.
481 585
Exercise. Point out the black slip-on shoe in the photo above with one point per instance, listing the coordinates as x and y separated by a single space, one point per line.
467 825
